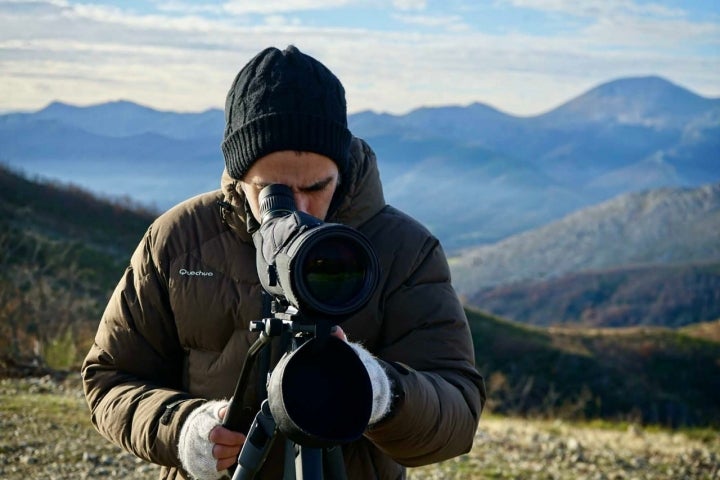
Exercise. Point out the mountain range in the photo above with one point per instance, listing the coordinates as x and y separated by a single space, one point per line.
648 258
659 226
473 175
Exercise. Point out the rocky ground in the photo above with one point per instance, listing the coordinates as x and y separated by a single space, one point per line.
507 448
45 433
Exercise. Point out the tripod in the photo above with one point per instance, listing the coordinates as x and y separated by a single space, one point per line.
306 462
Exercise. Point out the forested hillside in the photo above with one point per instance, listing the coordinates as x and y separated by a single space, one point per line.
664 295
62 250
648 258
648 374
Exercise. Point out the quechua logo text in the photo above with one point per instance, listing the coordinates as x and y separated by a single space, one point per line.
195 273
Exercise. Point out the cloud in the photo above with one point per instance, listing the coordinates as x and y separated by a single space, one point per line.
673 33
450 22
626 23
405 5
597 8
281 20
187 8
185 58
240 7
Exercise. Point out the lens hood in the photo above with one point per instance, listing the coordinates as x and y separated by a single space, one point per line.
320 394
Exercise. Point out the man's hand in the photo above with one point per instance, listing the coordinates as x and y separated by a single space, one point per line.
227 444
206 448
339 333
381 385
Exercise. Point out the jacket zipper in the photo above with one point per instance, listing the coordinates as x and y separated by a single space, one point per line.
169 412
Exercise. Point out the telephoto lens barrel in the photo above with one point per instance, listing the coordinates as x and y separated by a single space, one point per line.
321 268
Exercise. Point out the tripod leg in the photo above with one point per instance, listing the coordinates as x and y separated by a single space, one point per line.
334 463
289 466
309 464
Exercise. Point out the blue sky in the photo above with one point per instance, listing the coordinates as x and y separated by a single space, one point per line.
520 56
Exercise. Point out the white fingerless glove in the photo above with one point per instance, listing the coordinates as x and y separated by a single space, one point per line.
195 447
381 387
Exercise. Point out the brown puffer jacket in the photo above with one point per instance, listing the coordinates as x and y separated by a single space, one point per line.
176 332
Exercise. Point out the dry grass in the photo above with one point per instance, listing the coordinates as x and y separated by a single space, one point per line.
46 433
708 330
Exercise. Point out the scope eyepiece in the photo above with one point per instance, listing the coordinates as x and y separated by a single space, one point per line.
275 200
319 268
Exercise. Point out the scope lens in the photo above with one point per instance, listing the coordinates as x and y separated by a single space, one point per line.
334 271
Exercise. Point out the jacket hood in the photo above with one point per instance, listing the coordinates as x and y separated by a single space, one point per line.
358 198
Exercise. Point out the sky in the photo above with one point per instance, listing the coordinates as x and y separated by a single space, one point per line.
523 57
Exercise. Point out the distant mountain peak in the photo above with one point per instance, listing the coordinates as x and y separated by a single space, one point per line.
650 101
57 107
651 89
652 81
124 118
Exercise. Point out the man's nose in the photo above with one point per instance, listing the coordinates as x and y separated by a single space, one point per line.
301 203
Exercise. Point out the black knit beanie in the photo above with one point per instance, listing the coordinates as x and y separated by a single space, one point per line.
284 100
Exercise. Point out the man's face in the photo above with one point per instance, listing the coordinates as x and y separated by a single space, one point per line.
313 179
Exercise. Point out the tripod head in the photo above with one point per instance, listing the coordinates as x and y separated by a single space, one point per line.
319 397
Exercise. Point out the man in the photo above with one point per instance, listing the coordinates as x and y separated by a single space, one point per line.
175 333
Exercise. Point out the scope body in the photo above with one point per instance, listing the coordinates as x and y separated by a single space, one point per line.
326 269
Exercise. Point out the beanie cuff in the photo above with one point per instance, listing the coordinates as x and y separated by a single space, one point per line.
285 131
